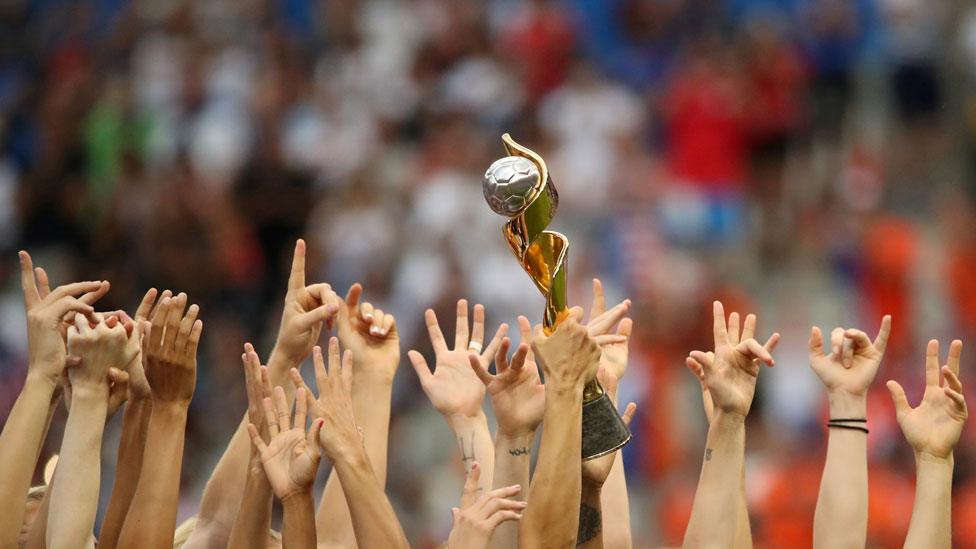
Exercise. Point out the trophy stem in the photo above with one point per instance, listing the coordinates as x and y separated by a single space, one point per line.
603 429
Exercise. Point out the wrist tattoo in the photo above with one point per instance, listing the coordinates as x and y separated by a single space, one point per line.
523 451
590 524
708 454
467 454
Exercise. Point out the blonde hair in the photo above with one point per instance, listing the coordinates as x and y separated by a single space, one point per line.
183 531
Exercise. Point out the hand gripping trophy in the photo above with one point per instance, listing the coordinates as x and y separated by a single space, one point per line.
518 187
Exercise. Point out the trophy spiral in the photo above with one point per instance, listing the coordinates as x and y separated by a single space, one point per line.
518 187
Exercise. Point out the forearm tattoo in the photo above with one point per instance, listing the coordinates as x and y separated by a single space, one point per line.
467 450
523 451
708 454
590 524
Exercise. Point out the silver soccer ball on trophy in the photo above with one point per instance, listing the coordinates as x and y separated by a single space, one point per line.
509 184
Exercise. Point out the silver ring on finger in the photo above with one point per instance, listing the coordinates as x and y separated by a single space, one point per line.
475 346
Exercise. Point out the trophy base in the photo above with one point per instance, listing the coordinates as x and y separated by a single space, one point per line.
603 429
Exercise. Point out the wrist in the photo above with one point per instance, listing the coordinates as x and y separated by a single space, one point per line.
300 496
844 405
462 421
281 360
520 439
924 457
171 410
728 418
41 381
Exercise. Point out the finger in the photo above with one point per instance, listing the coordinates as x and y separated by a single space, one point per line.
772 342
118 376
609 339
334 358
859 339
389 325
898 398
461 328
575 314
366 313
471 483
518 359
159 323
296 378
956 398
955 353
301 408
503 492
346 373
321 376
816 343
837 344
733 327
479 370
256 438
599 300
696 368
748 327
72 361
314 442
702 359
847 352
752 349
503 516
142 312
434 329
186 326
606 321
493 505
353 295
420 366
281 408
501 356
67 305
43 283
81 324
266 388
269 416
719 329
27 282
318 315
296 278
495 343
932 363
629 413
478 325
249 384
881 342
193 343
173 321
376 329
951 379
96 294
76 289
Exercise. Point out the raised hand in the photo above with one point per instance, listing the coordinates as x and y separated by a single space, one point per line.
613 347
47 312
170 349
98 349
453 388
570 356
848 370
304 313
735 337
368 332
291 457
933 427
477 517
517 393
333 405
730 375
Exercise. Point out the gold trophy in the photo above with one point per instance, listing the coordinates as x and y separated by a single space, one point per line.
518 187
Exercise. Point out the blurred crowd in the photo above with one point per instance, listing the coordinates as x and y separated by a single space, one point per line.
808 160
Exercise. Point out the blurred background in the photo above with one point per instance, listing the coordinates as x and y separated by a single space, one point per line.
808 160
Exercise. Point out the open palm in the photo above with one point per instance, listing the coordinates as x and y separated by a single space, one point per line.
291 458
934 427
453 388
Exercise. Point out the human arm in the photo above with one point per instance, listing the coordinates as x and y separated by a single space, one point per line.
841 518
373 521
933 430
456 391
171 369
302 318
254 515
26 424
569 357
135 426
730 376
74 500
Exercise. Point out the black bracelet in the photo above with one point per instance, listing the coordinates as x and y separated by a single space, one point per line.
850 420
852 427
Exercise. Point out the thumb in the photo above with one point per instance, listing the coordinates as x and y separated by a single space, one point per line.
420 366
314 442
454 513
898 397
